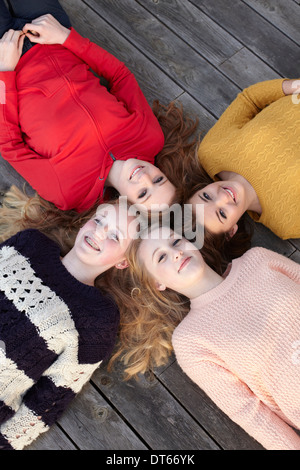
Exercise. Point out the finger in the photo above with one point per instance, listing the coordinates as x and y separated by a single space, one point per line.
16 35
21 41
9 34
34 38
32 29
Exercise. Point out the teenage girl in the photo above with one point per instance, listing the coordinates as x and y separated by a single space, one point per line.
57 324
237 336
64 132
251 158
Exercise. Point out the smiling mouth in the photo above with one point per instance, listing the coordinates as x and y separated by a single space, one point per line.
231 193
91 243
135 171
184 263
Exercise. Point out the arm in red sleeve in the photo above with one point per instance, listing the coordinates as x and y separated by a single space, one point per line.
122 82
37 170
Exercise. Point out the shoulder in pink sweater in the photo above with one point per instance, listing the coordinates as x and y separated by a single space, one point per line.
240 343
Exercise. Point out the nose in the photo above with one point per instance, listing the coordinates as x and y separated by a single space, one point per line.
145 178
101 232
178 254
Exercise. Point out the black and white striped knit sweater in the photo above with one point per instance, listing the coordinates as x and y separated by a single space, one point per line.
54 333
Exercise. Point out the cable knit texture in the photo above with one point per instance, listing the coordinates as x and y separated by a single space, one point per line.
54 333
240 343
258 137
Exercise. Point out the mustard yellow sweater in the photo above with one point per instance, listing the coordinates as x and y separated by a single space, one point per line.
258 137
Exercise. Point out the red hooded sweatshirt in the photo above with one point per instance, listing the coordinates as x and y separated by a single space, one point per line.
62 130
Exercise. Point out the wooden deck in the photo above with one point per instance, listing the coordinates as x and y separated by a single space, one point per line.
200 53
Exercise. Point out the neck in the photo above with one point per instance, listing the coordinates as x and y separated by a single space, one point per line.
209 280
79 270
251 201
114 174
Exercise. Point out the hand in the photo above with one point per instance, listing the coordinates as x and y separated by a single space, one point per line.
290 87
11 45
46 30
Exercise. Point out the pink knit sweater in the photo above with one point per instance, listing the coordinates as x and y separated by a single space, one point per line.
240 343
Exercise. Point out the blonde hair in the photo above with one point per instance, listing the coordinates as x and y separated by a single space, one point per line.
148 318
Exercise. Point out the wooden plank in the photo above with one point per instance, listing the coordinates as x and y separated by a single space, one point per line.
296 256
153 412
224 431
267 239
92 424
54 439
244 68
154 83
9 176
183 65
253 31
195 28
284 14
296 242
239 64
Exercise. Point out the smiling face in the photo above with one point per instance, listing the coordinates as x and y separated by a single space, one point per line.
172 261
103 240
224 204
143 183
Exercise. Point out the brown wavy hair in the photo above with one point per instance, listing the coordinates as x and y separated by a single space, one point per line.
179 161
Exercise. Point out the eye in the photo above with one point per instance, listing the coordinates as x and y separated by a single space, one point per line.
206 196
158 180
142 194
175 242
115 237
98 220
162 257
222 214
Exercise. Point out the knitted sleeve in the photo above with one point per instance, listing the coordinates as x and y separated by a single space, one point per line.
286 266
247 105
235 399
45 401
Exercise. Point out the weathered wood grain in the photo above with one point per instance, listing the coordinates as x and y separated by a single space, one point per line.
210 417
154 83
284 14
92 424
267 239
170 53
211 41
54 439
195 28
253 31
158 418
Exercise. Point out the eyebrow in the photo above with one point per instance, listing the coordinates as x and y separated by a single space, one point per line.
154 252
217 213
151 194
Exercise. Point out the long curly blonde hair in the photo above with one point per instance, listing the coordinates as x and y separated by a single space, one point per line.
148 318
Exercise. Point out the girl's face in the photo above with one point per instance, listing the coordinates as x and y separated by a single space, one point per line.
104 239
223 205
143 183
172 261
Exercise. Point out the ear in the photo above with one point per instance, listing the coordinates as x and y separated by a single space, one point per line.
232 231
160 286
122 264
